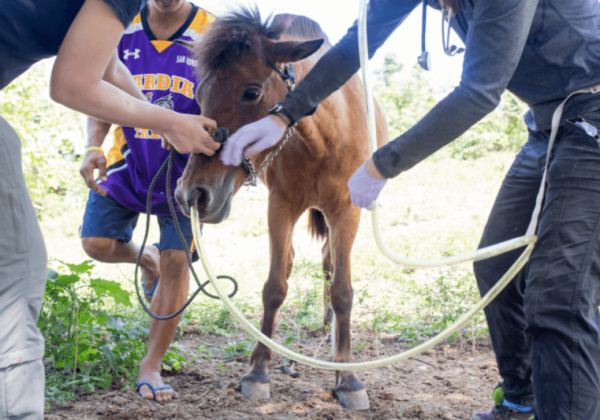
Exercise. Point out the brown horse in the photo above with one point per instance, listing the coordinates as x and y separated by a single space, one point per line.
310 172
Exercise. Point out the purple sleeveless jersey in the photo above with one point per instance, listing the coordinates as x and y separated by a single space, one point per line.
166 74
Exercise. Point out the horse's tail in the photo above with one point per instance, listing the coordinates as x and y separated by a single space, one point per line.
317 225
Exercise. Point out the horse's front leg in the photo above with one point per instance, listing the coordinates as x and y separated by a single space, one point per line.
282 218
343 227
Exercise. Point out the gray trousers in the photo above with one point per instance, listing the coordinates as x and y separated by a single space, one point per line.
23 263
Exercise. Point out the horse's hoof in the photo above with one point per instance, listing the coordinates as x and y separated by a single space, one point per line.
256 390
353 400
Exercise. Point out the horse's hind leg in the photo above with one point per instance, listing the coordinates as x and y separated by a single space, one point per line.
343 227
328 270
256 383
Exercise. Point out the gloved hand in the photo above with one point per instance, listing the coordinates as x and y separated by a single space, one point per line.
364 189
263 133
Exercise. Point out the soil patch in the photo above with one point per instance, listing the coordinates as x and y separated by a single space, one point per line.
446 383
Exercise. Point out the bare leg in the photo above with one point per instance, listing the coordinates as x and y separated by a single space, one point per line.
170 295
281 223
110 250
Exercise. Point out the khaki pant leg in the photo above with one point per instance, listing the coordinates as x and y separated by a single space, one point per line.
23 263
22 391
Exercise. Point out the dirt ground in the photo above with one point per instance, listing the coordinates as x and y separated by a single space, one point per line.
446 383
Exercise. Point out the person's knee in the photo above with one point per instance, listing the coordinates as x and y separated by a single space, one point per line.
173 263
98 248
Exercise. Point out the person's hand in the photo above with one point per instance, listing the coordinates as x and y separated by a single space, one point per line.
263 133
188 134
94 159
365 185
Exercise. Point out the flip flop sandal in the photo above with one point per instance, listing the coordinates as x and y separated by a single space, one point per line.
149 385
151 292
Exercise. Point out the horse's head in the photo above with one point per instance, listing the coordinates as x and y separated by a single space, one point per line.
238 87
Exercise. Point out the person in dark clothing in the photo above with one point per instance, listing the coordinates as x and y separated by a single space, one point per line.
88 77
545 326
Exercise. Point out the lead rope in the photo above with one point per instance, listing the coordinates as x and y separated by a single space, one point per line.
168 163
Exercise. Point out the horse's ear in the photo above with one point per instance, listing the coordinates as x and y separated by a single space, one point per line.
292 51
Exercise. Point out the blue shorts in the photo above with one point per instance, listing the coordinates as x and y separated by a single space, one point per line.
105 218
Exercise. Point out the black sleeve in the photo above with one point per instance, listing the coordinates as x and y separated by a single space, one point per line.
495 40
125 9
342 61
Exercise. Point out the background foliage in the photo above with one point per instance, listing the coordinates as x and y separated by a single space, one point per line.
406 98
52 137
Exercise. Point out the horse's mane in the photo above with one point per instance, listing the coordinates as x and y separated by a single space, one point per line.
243 32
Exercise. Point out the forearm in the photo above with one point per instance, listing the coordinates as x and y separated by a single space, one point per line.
81 64
342 61
97 131
106 102
117 74
495 40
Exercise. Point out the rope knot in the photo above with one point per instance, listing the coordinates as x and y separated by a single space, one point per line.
221 135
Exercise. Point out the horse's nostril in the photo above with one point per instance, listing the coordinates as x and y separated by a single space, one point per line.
200 196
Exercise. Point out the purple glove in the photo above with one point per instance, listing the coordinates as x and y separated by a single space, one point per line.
263 133
364 189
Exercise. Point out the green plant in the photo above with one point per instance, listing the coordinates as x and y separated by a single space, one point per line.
173 360
205 348
86 347
234 350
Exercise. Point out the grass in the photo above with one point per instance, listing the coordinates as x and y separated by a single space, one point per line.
439 208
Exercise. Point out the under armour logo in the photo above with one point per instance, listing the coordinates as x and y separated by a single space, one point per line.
136 54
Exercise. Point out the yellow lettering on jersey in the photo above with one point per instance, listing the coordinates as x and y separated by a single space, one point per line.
163 81
188 89
175 87
142 133
138 80
149 81
183 86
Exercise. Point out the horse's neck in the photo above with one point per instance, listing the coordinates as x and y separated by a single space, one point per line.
319 130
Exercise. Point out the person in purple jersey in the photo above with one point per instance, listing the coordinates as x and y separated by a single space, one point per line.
167 76
88 77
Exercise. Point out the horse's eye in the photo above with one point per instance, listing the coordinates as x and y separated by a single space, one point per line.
250 95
